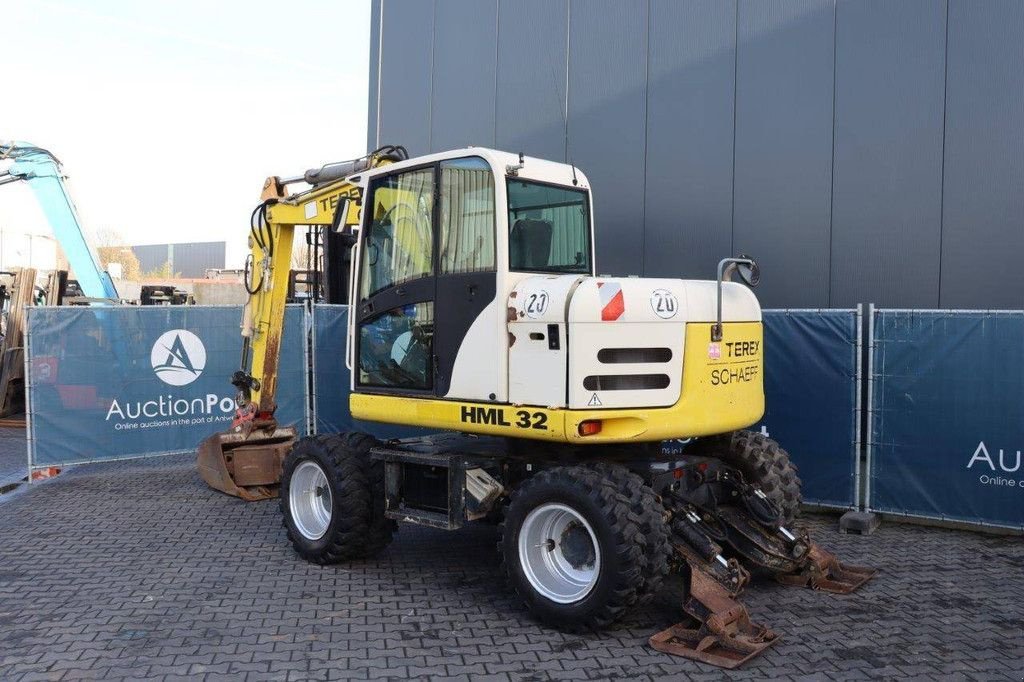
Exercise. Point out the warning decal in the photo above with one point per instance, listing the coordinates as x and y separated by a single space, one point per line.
613 304
594 402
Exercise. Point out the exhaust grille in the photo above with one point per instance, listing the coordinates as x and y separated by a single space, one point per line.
613 356
625 382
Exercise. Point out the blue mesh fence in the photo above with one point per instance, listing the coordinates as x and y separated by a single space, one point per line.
947 416
117 382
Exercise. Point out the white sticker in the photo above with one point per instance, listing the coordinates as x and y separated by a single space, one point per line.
714 351
310 209
594 401
537 304
664 303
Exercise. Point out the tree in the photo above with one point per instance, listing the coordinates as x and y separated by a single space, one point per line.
130 268
162 272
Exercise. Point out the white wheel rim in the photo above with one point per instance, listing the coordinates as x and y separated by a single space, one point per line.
558 553
310 501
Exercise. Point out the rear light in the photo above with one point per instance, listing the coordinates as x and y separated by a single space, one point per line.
590 427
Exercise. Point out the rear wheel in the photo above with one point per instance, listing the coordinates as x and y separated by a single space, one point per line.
572 548
650 513
763 463
332 500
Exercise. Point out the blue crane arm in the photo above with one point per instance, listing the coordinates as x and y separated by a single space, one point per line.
42 171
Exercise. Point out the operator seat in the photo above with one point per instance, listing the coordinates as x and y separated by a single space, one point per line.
530 244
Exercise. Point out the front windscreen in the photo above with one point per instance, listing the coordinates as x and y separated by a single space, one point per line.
549 228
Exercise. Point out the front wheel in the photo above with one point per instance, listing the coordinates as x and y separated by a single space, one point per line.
571 548
332 499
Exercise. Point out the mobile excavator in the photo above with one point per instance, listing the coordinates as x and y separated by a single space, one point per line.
476 310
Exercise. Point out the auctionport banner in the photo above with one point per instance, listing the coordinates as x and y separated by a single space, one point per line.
948 416
115 382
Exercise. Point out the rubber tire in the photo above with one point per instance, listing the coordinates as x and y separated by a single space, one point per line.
648 508
765 464
595 497
357 529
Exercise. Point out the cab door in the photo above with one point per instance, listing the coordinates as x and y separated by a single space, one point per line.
466 282
397 286
427 272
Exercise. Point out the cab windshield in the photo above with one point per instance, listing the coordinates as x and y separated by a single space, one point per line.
549 228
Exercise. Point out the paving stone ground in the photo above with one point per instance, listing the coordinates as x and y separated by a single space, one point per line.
13 464
137 570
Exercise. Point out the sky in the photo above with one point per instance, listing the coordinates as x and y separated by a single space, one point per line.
168 115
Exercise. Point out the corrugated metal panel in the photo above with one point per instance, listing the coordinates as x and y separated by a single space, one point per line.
151 256
607 118
371 109
462 102
405 45
887 190
688 193
983 193
192 260
783 172
530 106
667 209
186 259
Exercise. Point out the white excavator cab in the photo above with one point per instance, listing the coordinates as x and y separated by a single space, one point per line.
475 285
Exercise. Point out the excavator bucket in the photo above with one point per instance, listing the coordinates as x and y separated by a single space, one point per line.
246 465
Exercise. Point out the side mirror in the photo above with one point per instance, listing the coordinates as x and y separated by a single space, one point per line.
338 224
748 271
747 268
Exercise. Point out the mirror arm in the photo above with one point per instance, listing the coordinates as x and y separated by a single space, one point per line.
726 268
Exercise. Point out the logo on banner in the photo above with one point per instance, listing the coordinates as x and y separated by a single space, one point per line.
178 357
1007 464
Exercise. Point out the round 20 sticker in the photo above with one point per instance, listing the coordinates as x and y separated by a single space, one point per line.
664 303
536 304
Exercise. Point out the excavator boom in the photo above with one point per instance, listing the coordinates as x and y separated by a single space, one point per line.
246 460
44 175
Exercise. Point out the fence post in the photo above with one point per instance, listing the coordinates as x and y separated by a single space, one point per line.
858 407
307 339
312 373
28 394
871 406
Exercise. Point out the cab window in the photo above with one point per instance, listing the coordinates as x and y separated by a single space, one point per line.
396 348
467 216
399 243
549 228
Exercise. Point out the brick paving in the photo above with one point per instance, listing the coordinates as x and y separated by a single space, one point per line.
13 464
136 570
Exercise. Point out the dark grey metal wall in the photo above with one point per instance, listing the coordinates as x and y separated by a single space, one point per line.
188 259
862 150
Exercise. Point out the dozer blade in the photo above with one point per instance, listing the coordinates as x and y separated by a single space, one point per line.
246 465
823 571
720 632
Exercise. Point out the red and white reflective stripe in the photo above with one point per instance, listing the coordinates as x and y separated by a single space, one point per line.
612 302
